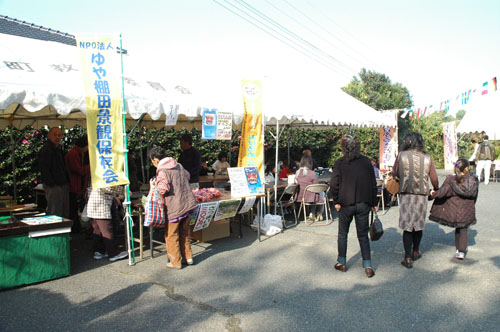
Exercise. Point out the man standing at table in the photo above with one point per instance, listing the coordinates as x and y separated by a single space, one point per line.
190 159
54 174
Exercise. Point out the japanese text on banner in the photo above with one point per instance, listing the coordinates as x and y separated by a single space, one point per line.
252 145
101 72
388 147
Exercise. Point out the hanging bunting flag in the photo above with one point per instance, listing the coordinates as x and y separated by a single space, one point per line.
406 111
494 81
485 88
446 105
411 114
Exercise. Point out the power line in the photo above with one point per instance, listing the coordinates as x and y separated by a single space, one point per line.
339 26
313 32
293 35
287 42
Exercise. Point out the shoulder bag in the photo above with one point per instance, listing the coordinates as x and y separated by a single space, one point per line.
154 210
376 229
392 185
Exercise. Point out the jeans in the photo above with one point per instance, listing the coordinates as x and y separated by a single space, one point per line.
360 212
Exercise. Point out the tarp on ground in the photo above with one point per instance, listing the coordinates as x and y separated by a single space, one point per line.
44 78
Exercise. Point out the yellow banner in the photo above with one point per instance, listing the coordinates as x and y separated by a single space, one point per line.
101 77
252 138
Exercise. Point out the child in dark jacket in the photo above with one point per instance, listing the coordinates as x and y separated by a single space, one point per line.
454 204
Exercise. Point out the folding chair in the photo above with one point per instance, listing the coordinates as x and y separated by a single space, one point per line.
380 186
287 200
317 190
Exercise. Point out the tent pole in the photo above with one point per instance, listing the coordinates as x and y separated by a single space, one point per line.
276 139
13 154
128 209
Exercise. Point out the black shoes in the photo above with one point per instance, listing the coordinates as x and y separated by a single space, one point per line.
407 262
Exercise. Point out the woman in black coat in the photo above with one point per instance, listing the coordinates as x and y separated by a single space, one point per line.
354 191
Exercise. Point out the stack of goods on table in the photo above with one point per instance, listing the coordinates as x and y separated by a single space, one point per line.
206 194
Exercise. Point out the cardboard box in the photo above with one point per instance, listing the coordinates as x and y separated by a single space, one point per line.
216 230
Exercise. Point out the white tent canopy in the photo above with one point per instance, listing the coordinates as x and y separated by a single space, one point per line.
36 74
482 114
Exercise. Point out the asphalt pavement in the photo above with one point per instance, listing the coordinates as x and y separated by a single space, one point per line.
284 283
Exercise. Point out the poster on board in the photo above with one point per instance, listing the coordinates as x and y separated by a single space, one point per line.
209 124
227 209
245 181
224 125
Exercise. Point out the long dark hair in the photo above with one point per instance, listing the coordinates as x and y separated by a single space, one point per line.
350 146
413 141
460 167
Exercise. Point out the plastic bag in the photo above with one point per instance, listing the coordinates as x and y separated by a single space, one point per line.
271 224
84 217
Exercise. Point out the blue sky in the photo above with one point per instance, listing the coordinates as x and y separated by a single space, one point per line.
437 49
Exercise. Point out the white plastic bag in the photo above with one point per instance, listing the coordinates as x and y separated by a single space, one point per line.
271 224
84 216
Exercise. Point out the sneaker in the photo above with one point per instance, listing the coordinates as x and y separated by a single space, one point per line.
311 217
460 255
98 255
122 255
319 217
189 261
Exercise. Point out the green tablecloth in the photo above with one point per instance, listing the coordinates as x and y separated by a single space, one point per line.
25 260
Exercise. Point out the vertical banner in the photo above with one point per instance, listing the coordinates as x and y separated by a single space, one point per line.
388 148
101 73
252 141
450 145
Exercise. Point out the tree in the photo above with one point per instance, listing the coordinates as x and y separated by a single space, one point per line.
460 114
377 91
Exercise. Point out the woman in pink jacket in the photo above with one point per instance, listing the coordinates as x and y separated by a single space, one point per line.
172 182
304 177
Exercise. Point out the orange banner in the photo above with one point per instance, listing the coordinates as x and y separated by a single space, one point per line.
252 134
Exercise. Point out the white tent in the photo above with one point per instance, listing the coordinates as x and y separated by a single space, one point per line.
482 114
44 76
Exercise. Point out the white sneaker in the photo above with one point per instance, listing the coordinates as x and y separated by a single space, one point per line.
319 217
460 255
311 217
98 255
189 261
121 255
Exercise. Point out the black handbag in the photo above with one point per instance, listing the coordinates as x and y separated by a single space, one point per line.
376 229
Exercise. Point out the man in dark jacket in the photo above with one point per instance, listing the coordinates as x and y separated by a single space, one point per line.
486 154
54 175
190 159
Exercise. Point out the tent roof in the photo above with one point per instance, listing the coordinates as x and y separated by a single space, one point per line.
49 87
482 113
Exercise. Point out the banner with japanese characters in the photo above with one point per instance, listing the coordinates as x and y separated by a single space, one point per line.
450 145
252 139
101 77
388 147
206 212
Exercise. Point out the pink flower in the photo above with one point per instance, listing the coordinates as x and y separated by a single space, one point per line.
25 142
239 137
36 181
36 133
